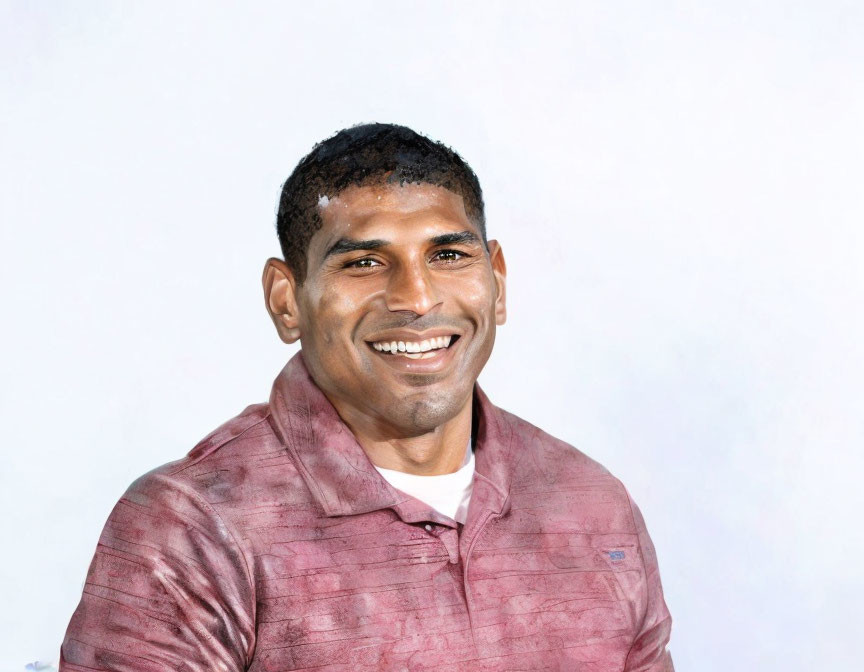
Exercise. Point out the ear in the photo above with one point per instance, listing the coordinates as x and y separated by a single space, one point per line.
281 299
499 270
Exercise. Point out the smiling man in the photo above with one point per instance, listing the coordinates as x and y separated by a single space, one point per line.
378 512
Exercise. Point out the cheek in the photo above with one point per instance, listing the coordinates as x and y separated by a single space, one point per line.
332 315
477 298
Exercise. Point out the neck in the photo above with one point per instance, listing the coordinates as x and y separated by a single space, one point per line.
440 451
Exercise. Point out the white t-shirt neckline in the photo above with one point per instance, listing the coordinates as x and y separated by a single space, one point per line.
448 494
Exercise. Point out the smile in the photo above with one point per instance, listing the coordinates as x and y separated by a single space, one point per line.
425 349
434 354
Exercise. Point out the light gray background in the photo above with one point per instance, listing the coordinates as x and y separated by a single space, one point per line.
678 191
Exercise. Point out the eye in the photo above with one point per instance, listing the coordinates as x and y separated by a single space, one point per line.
365 262
449 256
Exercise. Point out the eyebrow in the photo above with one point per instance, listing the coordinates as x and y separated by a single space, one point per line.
344 245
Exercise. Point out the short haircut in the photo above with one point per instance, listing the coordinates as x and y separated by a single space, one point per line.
367 155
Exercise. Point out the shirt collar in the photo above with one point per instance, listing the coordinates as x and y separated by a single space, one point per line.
341 476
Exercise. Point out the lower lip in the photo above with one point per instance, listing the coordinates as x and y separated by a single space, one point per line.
439 360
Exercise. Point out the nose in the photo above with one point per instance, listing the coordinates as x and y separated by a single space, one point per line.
411 288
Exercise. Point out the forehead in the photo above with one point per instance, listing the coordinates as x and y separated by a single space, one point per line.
403 210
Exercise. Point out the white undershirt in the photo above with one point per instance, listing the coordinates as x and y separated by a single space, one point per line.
446 493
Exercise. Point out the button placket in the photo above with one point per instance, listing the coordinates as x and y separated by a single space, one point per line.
449 537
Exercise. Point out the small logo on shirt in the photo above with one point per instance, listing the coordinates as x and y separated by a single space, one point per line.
616 556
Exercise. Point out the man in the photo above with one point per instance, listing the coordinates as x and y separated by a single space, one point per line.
379 513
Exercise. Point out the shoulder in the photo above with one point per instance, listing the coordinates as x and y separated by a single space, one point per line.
544 451
223 470
170 571
555 473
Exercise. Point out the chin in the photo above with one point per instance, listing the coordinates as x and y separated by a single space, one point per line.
423 413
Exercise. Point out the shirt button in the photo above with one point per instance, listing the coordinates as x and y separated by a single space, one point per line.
428 527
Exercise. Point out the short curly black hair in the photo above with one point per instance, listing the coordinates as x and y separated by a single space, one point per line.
366 155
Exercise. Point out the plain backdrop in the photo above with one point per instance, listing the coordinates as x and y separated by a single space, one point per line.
677 188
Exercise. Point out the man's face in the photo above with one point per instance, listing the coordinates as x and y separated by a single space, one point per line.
398 311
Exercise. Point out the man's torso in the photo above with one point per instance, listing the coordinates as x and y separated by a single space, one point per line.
331 568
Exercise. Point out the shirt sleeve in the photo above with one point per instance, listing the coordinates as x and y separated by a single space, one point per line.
168 589
648 652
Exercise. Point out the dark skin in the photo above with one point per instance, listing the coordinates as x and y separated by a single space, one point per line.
395 264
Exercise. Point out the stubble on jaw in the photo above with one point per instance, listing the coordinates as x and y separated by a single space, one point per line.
428 415
425 413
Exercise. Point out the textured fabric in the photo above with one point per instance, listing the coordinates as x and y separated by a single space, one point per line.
275 545
449 494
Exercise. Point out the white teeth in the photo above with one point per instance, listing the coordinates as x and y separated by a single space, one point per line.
414 349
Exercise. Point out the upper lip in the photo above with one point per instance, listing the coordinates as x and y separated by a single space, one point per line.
412 336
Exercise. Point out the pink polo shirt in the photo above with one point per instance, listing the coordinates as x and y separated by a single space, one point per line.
276 545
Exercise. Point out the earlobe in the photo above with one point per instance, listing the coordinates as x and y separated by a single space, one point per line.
280 299
499 270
